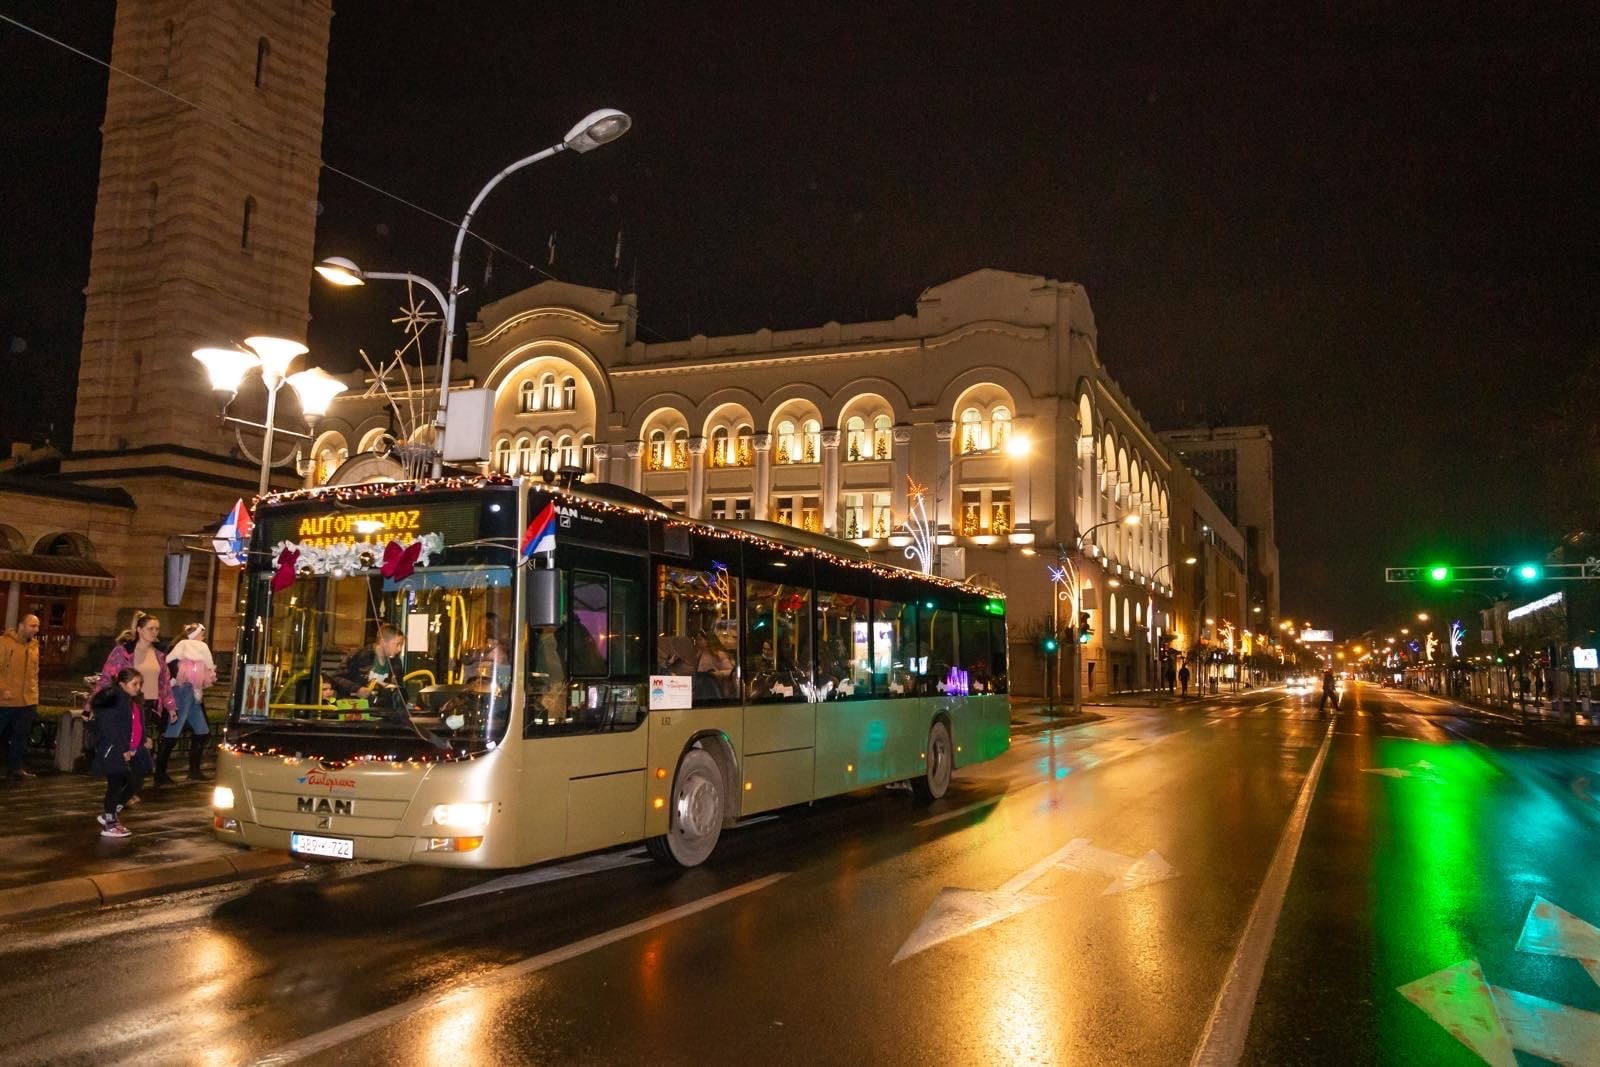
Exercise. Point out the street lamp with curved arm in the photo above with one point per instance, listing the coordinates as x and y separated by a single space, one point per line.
592 131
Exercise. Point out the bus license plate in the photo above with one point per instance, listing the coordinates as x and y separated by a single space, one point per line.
336 848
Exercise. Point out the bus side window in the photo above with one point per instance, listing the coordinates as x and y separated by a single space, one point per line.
998 682
974 650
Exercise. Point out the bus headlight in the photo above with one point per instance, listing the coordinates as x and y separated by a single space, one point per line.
222 798
468 816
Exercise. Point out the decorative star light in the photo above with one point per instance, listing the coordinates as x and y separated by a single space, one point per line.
1058 575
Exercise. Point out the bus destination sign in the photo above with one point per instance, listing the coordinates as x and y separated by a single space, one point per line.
455 521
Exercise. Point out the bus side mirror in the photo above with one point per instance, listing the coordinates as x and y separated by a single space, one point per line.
542 597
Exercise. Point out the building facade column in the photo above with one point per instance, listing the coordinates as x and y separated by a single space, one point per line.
602 463
830 481
761 504
14 605
945 475
898 488
635 461
1022 480
694 507
1089 482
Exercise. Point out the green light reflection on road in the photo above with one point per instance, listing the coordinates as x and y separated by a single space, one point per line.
1427 877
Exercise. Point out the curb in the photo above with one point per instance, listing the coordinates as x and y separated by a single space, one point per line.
117 887
1055 724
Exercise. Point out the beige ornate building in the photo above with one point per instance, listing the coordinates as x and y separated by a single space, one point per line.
991 396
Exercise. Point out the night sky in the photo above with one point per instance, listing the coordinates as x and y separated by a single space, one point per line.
1373 229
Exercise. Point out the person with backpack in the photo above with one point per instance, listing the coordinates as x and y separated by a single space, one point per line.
121 749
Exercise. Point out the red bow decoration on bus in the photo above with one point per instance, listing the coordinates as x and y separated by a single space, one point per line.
399 562
283 577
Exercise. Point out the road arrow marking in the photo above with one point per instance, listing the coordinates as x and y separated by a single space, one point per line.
1125 872
1551 930
605 861
1492 1021
1421 769
957 912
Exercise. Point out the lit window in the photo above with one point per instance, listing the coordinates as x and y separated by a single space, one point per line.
569 394
547 389
972 437
528 399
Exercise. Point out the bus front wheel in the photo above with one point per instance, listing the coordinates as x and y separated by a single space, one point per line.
698 802
935 779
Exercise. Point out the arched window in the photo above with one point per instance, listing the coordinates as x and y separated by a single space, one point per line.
249 217
1126 629
527 397
586 453
566 455
972 439
547 390
999 427
680 448
569 394
788 443
660 458
1111 615
329 459
811 447
263 50
547 454
502 456
857 444
721 447
882 437
524 456
744 444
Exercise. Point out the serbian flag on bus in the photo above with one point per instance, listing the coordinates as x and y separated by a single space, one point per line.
232 539
540 536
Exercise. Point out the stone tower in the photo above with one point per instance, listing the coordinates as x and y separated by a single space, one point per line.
206 215
203 234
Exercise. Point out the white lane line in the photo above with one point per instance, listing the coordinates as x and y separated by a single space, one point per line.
366 1024
1222 1042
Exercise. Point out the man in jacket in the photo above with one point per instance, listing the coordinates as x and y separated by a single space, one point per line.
19 691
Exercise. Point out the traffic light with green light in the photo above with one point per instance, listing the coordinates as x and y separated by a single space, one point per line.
1085 627
1528 572
1438 574
1048 644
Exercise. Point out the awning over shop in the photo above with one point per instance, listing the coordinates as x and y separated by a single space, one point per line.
55 570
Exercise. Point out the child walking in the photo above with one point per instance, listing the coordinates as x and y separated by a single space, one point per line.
121 751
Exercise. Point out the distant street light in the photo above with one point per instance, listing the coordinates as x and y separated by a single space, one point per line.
227 367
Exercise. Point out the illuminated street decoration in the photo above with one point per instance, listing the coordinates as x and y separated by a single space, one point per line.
919 526
1433 644
1458 634
1537 605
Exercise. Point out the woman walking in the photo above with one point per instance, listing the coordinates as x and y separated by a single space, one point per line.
137 649
193 670
121 750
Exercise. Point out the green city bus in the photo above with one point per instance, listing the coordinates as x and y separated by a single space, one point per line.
412 685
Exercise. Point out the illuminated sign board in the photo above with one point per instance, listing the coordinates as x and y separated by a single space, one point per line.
1316 637
1586 659
1528 609
374 524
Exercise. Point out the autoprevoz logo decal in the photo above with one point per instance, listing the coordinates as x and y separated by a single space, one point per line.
324 780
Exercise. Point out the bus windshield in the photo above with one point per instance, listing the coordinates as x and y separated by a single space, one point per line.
356 663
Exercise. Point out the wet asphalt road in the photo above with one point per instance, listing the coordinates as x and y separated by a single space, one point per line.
783 948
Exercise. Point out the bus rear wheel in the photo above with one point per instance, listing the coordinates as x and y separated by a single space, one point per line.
698 802
935 779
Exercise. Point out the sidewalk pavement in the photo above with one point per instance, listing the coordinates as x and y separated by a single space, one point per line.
52 857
